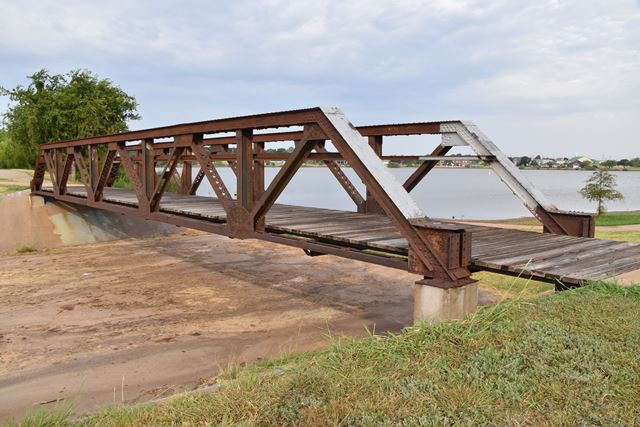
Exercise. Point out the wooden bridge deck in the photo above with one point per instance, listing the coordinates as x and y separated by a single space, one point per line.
548 257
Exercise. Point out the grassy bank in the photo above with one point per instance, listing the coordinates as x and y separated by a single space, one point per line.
619 218
13 180
623 236
565 359
6 189
608 219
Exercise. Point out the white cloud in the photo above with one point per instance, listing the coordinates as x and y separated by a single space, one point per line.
557 61
581 52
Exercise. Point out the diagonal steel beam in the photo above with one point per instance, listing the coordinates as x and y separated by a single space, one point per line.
232 163
84 171
51 168
425 168
280 181
105 173
166 176
113 175
133 177
65 171
344 181
196 182
532 198
392 197
209 170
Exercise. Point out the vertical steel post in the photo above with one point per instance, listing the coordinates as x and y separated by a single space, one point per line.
94 168
186 177
148 168
57 164
258 171
372 206
245 179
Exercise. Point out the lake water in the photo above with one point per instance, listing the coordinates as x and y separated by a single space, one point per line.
447 193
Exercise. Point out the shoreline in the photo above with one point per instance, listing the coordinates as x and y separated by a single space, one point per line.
456 167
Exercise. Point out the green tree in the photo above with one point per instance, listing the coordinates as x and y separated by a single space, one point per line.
524 161
56 107
601 187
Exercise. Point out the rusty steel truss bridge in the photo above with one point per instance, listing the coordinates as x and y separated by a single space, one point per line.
386 227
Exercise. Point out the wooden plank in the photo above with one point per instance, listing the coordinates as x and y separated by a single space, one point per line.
526 249
576 262
539 254
594 260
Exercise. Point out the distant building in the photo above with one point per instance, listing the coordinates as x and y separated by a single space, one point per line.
547 163
581 159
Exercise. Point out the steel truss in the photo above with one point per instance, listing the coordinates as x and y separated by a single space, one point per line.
441 252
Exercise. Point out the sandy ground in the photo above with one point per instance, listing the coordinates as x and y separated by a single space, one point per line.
141 319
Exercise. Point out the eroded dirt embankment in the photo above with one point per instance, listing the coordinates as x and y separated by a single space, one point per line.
34 222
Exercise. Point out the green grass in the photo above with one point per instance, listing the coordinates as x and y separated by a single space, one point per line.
122 181
618 218
623 236
6 189
512 286
566 359
25 249
59 416
608 219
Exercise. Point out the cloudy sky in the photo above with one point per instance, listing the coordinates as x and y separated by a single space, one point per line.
548 77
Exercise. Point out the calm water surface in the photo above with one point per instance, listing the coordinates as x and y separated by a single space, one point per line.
447 193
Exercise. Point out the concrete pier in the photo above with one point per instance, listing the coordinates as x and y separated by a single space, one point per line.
436 302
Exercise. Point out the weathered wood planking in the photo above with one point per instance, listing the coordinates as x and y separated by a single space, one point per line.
571 260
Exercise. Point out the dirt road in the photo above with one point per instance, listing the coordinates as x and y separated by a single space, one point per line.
164 315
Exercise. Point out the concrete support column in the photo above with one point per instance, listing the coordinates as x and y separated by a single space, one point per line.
436 301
